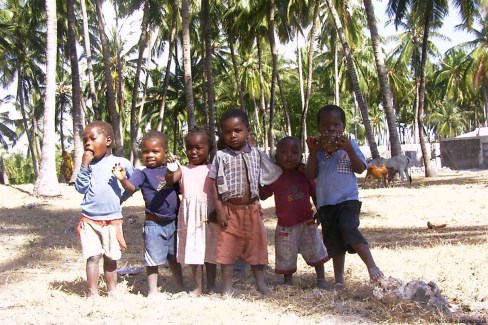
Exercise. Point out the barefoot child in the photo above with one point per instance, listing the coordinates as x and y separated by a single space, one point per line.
296 231
100 227
161 202
332 162
237 171
196 235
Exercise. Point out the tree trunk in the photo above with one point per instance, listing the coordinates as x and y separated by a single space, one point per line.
302 92
89 69
146 82
76 92
429 169
190 107
262 101
285 105
208 63
396 148
274 72
172 44
3 173
230 40
354 79
308 92
47 182
134 123
337 99
28 131
485 101
112 108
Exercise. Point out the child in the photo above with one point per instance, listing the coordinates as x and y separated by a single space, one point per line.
100 227
237 171
161 202
196 235
333 160
296 231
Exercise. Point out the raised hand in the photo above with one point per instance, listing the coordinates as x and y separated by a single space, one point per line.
119 172
87 157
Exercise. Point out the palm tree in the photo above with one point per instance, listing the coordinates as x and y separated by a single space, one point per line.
114 114
190 107
388 107
449 120
76 91
47 181
354 79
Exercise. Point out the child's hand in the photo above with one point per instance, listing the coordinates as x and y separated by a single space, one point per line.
172 159
119 172
313 144
87 158
222 218
344 143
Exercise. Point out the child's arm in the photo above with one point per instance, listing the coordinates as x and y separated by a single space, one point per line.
313 147
82 183
265 192
219 207
345 144
120 173
172 176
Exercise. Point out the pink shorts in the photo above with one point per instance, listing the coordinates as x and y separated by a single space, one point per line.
244 237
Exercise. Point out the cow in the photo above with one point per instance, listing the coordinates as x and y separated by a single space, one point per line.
398 164
377 172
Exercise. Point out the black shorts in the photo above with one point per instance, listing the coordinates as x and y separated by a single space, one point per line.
340 225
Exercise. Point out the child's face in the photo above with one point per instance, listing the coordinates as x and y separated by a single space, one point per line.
97 142
331 122
153 153
197 148
235 132
288 155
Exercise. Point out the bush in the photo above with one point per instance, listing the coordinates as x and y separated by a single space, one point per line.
19 169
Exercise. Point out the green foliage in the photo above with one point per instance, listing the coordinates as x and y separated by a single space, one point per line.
19 169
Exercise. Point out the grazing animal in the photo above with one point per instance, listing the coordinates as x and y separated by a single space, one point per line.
398 164
377 172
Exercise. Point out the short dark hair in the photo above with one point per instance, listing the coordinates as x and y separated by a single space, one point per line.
105 128
288 138
235 112
156 136
201 131
332 108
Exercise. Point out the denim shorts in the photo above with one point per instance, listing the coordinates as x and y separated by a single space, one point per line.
159 242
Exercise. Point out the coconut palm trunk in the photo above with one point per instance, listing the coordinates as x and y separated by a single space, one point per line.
396 148
172 44
429 169
190 107
47 181
89 67
208 63
274 72
230 40
76 92
262 100
112 108
134 123
355 82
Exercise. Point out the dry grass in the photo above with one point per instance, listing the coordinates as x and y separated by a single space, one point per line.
42 273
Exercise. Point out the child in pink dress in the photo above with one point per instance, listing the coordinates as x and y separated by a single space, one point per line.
196 235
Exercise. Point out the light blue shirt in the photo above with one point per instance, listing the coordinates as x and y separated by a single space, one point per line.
101 189
335 181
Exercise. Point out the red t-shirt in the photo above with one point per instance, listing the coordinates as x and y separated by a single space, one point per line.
292 193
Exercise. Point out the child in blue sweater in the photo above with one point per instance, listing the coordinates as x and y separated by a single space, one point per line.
100 227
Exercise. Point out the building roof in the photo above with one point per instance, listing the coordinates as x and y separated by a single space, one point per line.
478 132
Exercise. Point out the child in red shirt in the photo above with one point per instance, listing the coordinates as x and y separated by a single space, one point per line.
296 232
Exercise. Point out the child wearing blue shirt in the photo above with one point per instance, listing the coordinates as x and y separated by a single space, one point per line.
100 227
332 162
161 208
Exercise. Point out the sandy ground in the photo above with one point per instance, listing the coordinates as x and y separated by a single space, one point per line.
42 272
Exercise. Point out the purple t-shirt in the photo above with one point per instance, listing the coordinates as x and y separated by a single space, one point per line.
292 193
161 199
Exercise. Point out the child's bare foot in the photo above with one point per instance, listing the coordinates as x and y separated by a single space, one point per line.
211 289
288 280
152 293
375 273
196 293
322 284
339 286
264 289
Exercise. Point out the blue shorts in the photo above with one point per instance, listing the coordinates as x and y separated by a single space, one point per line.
159 242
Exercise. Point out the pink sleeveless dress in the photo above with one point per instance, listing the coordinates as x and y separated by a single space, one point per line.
197 238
